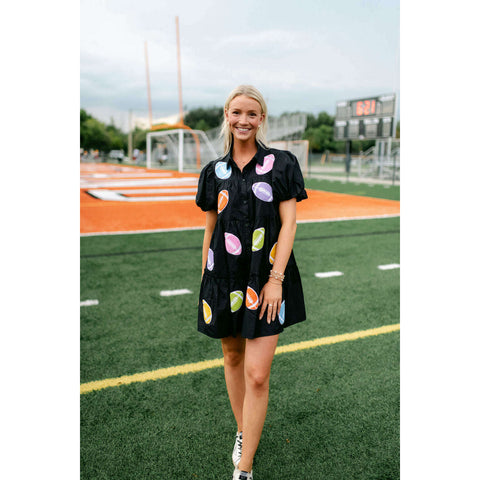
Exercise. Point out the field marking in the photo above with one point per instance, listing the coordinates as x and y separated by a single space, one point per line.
87 303
328 274
169 293
202 227
218 362
113 196
390 266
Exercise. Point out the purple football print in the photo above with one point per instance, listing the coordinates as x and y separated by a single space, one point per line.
263 191
232 244
267 165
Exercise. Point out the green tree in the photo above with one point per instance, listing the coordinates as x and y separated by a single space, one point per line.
320 138
95 135
204 118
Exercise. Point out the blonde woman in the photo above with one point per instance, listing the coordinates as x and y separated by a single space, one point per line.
251 288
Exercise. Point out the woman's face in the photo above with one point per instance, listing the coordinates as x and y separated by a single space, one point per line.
244 116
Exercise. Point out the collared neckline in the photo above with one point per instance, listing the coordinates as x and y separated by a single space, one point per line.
259 155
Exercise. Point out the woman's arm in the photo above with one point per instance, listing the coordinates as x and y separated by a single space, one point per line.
211 220
271 293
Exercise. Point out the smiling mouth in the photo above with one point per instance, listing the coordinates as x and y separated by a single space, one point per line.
243 130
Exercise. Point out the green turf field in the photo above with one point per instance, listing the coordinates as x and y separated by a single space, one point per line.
334 410
388 191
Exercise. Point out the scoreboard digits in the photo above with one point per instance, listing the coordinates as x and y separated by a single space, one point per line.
365 107
372 118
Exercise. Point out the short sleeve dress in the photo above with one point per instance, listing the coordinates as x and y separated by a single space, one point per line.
243 245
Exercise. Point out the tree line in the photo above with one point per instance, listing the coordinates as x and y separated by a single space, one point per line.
94 134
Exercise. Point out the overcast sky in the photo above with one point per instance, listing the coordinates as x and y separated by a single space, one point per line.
304 55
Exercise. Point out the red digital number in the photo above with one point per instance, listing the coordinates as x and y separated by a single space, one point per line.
366 107
359 109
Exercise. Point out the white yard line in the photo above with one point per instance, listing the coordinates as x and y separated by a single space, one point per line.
328 274
88 303
114 196
158 190
139 182
390 266
170 293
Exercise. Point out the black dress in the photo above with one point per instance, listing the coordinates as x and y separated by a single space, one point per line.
243 244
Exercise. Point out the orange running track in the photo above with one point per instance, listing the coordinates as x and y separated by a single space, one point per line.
143 200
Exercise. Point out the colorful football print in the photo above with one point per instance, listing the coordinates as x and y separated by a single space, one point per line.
267 165
222 170
257 239
232 244
252 299
263 191
281 314
222 200
210 262
273 251
207 312
236 300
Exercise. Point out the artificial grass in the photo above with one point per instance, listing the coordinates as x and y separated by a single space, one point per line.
134 329
352 187
333 413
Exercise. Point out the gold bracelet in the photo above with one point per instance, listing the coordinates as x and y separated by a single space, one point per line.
277 275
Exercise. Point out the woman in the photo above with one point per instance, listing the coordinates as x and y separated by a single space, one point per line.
251 288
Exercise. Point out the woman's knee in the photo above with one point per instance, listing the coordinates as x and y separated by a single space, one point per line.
257 378
233 352
233 358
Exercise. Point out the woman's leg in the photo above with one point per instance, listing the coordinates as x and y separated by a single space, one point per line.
259 354
234 356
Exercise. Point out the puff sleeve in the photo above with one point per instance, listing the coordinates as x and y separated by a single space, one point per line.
206 197
288 179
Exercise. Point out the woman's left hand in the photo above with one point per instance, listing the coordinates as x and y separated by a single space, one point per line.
271 299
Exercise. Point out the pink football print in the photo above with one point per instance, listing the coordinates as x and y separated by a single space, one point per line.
267 165
210 260
263 191
232 244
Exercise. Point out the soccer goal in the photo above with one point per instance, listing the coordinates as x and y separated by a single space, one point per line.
179 149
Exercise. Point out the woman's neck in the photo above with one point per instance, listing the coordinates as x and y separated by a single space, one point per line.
243 153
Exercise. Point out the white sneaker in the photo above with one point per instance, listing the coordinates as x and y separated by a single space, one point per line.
241 475
237 449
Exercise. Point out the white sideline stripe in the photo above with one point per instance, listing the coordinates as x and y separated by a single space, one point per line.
87 303
328 274
157 190
390 266
202 227
153 182
132 173
169 293
112 195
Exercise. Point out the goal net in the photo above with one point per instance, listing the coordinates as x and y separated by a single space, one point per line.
179 149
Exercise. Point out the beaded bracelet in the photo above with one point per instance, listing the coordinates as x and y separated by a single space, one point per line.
277 275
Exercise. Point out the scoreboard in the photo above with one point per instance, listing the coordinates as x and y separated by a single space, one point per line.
366 118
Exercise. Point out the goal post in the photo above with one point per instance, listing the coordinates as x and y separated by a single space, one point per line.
181 149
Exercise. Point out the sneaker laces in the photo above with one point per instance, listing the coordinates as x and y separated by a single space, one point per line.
239 443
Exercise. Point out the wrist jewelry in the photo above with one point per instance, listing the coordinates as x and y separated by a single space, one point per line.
277 275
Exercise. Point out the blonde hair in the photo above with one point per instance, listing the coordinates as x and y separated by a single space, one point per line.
251 92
